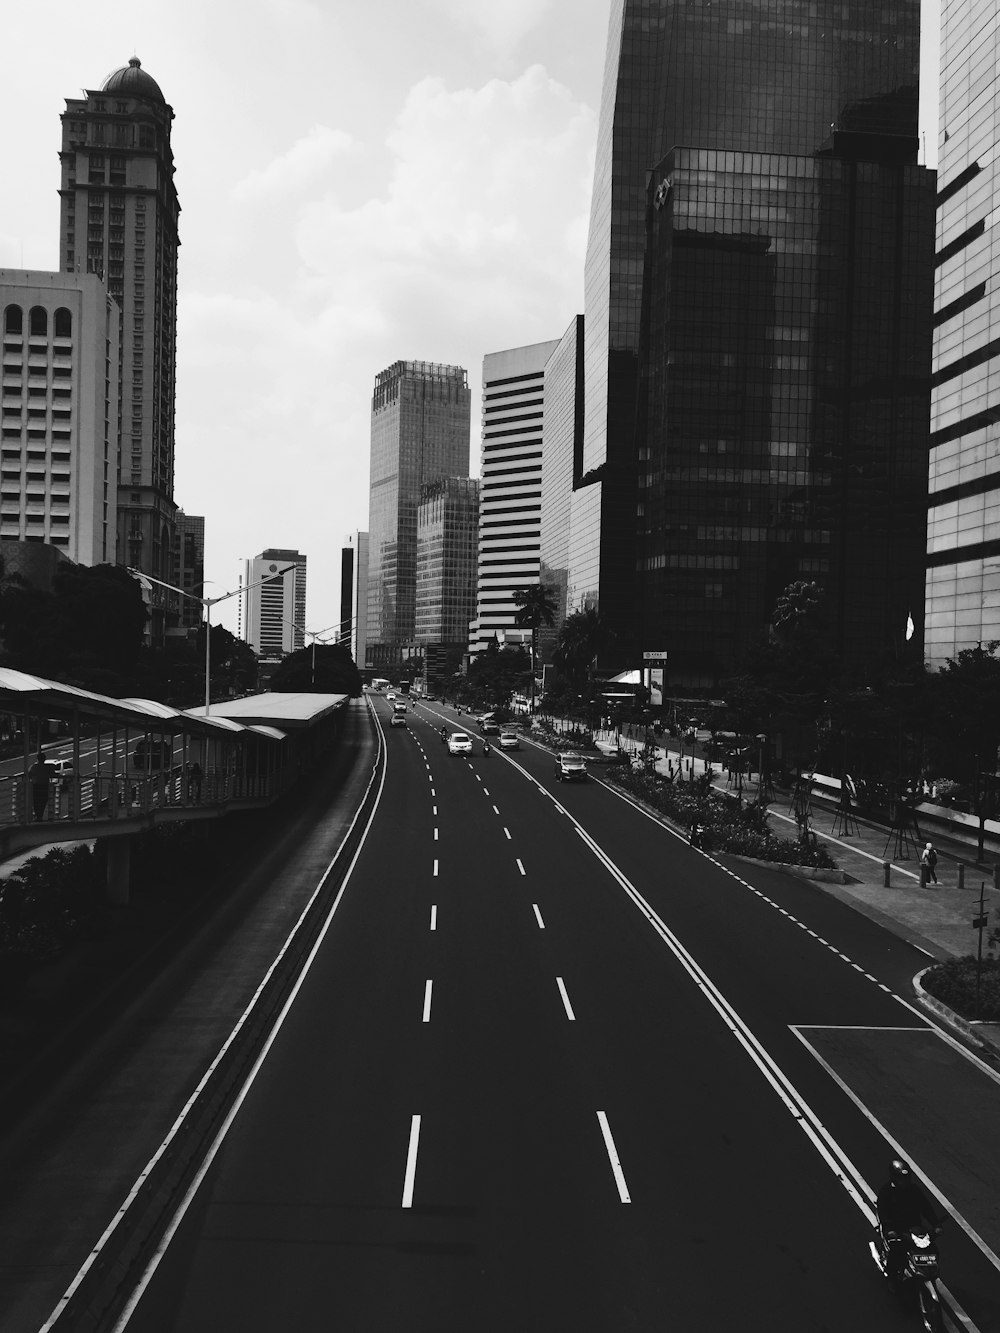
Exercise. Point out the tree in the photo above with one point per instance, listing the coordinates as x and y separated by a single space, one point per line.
336 672
497 673
88 631
582 636
966 701
537 607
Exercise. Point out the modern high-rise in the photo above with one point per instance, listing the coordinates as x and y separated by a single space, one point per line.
447 525
59 447
757 301
353 627
276 602
119 215
189 567
419 434
963 574
510 492
562 453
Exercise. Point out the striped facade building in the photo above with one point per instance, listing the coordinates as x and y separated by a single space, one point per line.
510 492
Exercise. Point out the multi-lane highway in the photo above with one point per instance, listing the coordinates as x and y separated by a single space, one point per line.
550 1068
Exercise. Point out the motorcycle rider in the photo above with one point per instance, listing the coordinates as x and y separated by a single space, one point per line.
902 1208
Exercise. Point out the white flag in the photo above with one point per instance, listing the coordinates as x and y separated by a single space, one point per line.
909 628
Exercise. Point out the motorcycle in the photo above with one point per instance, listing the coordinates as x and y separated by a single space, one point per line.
914 1280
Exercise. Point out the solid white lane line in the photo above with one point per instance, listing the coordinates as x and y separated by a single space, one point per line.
434 916
428 987
411 1162
538 916
616 1165
521 867
507 832
565 999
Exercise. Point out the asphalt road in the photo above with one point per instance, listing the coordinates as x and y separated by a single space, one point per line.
552 1069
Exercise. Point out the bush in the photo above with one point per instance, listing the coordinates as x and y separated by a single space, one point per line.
954 984
741 830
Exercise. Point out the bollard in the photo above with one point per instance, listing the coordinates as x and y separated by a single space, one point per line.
885 874
923 877
961 875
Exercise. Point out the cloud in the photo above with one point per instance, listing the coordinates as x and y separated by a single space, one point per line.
504 25
483 217
300 167
467 238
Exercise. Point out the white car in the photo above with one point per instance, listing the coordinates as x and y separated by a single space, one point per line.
397 720
459 742
509 740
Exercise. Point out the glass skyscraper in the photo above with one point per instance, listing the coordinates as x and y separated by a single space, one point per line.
421 416
758 304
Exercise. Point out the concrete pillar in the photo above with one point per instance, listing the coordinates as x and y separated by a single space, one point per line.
961 875
886 865
119 860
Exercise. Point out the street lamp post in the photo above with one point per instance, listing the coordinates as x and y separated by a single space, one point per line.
208 603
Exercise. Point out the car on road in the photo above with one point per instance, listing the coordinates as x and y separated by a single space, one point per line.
489 726
399 707
64 771
571 767
397 720
459 742
509 740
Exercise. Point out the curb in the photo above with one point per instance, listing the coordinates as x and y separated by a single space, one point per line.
800 871
964 1025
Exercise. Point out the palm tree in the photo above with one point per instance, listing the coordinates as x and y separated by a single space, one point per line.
537 607
581 637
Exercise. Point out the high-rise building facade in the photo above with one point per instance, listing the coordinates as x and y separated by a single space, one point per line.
731 409
189 567
419 433
562 463
119 215
447 526
963 537
510 492
353 626
276 602
60 413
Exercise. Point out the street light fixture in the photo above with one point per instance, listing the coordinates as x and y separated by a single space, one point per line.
208 603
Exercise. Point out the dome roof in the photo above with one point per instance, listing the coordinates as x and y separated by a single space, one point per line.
133 81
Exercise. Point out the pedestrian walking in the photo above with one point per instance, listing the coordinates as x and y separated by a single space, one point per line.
194 782
928 859
39 775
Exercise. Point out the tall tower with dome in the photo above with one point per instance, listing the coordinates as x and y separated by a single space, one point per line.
119 214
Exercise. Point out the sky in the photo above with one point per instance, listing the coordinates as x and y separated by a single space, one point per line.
359 184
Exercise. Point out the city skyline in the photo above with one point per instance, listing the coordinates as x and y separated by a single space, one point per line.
313 251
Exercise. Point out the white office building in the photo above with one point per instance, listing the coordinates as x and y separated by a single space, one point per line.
510 491
59 473
276 602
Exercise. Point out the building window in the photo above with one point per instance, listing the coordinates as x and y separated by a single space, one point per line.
63 323
13 319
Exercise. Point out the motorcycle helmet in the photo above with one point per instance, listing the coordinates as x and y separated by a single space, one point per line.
899 1172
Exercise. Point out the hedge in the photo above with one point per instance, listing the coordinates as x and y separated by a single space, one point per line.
954 984
742 830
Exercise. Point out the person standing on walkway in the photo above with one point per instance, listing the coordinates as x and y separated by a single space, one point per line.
928 859
39 775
